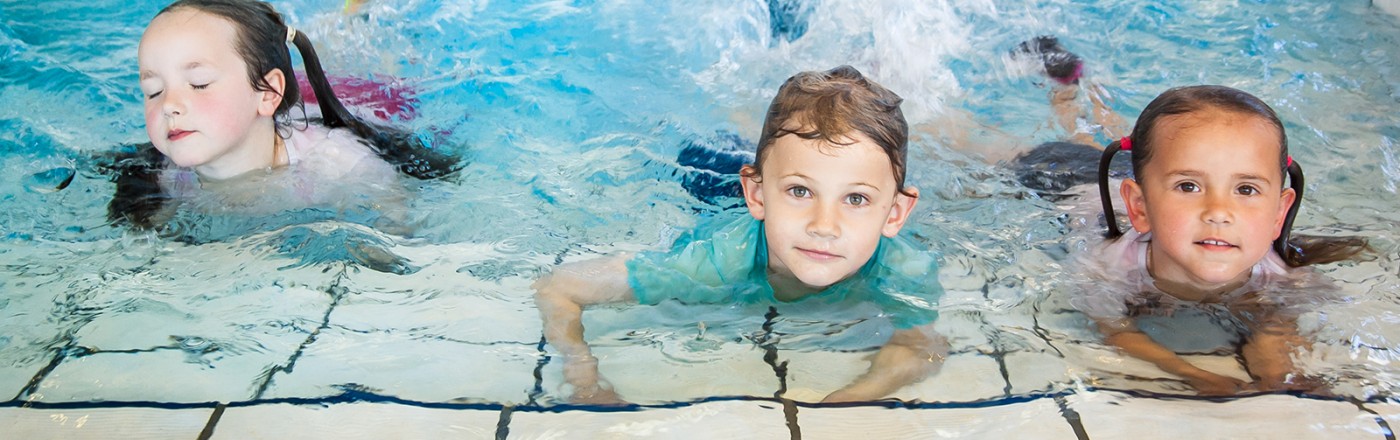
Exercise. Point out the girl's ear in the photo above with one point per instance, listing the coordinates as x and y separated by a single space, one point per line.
899 213
753 194
1285 202
1136 204
271 99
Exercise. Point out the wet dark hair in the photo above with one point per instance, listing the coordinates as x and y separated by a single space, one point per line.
831 105
1060 64
1296 251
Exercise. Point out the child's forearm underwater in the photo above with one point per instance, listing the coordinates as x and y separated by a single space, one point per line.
909 355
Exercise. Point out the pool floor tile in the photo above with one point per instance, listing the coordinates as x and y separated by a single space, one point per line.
405 366
1107 414
164 375
102 423
353 421
709 420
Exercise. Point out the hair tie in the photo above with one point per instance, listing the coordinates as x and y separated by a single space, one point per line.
1125 144
1289 163
291 34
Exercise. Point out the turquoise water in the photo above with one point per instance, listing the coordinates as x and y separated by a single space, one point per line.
572 114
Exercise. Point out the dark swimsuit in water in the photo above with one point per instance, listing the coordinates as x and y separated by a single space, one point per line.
1054 167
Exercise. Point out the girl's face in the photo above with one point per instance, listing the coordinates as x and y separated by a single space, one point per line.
1212 197
201 110
825 208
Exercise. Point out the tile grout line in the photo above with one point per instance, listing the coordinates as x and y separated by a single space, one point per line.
503 423
214 417
1385 426
1072 417
769 344
337 293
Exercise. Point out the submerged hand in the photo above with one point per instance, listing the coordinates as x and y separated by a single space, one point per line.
582 373
1212 384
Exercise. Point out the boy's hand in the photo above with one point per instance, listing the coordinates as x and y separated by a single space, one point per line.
582 373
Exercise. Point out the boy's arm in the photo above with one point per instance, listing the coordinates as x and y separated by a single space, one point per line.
1123 334
561 296
910 355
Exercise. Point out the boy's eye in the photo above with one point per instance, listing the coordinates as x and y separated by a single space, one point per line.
856 199
800 192
1187 187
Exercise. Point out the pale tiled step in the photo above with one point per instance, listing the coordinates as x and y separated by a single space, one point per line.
1116 415
1037 419
102 423
710 420
353 421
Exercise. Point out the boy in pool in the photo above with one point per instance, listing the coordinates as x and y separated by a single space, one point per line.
826 201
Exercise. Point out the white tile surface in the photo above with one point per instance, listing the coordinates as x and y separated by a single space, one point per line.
354 421
162 376
406 366
711 420
1114 415
1037 419
102 423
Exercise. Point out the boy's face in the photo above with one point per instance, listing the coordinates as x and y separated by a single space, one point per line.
200 107
1212 196
825 207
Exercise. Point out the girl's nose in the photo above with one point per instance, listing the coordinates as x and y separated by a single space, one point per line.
172 103
1218 209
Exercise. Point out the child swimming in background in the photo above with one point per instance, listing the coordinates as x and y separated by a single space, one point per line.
1053 167
1211 217
826 202
218 86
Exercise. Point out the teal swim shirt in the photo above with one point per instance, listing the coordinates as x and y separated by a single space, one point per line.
726 261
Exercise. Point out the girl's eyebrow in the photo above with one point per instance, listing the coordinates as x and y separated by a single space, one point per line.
190 66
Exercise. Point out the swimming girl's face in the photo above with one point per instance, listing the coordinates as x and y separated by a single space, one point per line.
825 207
201 110
1212 196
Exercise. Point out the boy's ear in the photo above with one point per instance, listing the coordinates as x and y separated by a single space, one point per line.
899 213
1285 202
270 100
1136 205
753 196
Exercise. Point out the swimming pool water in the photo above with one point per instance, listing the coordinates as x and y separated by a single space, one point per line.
572 114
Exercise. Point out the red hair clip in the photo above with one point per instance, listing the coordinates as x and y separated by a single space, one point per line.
1125 144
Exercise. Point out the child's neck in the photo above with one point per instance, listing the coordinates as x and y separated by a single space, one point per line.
1186 290
787 288
261 149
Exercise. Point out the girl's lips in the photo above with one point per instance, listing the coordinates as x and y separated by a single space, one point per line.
176 135
1214 244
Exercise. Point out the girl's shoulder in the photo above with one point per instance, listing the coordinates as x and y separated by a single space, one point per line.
332 152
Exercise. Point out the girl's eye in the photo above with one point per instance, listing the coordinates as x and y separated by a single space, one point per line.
199 86
856 199
1248 190
1187 187
152 95
800 192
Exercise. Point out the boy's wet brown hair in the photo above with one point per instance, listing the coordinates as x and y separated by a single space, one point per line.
830 106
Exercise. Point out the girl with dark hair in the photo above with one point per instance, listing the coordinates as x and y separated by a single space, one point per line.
1210 216
218 84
